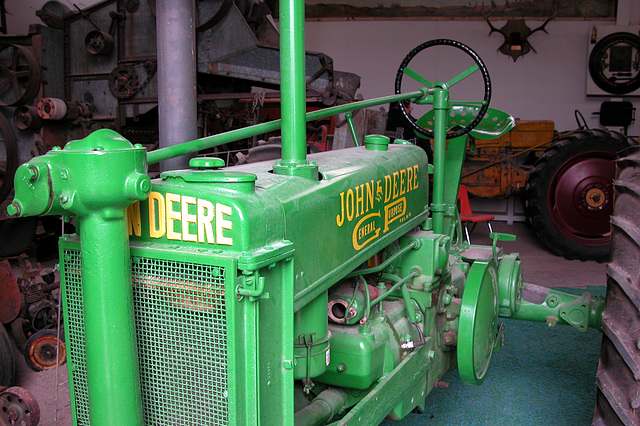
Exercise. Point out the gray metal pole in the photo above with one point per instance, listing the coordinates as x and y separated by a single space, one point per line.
177 97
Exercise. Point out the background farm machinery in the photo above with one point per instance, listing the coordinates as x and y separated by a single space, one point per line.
92 68
281 292
563 179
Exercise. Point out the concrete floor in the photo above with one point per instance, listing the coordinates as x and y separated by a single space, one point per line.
539 265
50 388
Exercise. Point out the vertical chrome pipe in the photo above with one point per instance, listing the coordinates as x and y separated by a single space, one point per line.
177 97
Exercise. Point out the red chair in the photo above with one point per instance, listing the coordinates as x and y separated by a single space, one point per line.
466 215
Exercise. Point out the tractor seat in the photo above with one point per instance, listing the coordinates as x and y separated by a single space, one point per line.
494 124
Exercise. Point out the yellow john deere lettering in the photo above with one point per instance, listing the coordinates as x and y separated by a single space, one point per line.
183 218
367 201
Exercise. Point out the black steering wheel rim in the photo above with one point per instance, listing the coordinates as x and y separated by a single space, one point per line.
482 68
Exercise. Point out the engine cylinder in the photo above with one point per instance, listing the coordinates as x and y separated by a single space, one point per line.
311 346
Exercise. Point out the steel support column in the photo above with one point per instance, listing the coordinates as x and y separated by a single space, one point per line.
177 97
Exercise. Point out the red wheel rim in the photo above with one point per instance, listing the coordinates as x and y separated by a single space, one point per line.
581 198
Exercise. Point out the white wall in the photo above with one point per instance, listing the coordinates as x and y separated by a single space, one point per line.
549 85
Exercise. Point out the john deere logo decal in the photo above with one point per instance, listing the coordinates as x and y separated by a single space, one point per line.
375 205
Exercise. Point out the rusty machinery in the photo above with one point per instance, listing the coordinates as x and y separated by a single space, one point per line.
92 68
29 305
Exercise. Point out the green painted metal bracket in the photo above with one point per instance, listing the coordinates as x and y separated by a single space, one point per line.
251 286
349 117
391 389
577 312
580 312
498 236
266 256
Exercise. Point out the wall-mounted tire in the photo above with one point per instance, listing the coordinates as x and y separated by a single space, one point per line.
569 194
618 376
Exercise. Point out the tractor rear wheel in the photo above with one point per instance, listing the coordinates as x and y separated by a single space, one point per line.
570 196
618 376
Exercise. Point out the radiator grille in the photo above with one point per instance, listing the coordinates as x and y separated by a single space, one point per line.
181 334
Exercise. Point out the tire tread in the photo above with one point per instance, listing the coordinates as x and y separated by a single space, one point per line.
618 377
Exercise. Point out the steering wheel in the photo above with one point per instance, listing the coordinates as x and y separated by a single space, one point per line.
477 109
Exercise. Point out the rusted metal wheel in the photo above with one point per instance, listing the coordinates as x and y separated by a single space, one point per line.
27 118
44 348
18 407
123 82
617 401
98 43
20 75
570 195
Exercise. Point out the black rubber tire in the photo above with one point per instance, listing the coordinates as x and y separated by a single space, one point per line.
618 376
597 64
21 331
43 357
7 362
553 214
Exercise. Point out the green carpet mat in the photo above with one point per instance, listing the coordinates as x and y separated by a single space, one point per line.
542 376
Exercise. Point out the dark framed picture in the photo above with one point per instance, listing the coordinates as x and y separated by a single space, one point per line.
458 9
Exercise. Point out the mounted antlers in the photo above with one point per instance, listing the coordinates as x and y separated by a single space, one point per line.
516 34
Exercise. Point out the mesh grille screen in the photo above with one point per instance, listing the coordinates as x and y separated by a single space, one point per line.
181 334
75 334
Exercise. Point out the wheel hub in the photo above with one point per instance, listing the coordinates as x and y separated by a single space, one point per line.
44 350
594 197
581 198
13 413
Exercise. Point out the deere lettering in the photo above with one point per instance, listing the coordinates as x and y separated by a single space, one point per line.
366 202
183 218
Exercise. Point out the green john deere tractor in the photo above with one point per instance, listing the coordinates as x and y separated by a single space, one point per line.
296 291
